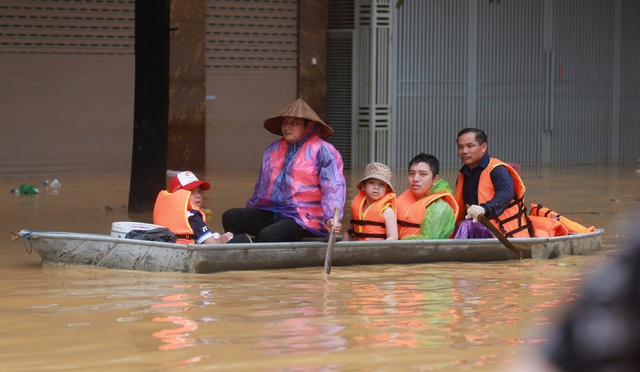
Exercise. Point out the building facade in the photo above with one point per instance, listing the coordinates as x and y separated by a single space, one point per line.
550 81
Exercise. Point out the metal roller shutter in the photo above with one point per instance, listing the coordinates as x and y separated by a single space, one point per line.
251 62
67 80
340 56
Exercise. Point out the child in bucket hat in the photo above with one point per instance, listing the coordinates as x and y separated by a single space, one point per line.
179 208
373 210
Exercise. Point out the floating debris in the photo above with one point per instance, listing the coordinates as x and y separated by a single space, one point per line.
25 190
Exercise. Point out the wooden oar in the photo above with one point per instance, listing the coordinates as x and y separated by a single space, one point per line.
485 222
332 242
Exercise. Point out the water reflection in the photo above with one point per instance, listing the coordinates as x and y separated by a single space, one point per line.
176 338
454 309
300 335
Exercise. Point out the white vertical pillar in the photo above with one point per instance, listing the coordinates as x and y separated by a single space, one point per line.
374 85
373 57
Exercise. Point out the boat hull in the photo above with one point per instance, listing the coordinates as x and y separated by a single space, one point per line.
127 254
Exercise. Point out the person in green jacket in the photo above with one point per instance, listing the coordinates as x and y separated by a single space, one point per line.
427 210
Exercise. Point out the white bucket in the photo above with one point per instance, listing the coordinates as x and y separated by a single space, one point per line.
120 229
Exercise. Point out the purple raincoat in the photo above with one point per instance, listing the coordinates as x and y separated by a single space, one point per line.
302 180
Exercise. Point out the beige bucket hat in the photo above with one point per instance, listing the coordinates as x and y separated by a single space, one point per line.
298 109
378 171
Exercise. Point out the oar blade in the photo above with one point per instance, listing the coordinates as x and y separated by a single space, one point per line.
329 256
485 222
332 242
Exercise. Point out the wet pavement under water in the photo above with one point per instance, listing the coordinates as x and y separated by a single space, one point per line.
441 316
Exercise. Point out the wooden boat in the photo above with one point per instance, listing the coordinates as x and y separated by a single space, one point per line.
128 254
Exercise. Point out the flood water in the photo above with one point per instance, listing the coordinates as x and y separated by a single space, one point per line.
441 316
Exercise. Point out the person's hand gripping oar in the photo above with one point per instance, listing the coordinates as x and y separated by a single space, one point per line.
476 212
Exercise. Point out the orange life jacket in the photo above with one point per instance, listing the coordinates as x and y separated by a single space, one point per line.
369 224
411 211
571 226
513 221
170 211
547 227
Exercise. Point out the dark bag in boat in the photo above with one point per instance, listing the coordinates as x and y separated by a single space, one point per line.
160 234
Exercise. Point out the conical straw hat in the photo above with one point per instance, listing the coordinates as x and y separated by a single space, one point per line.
298 109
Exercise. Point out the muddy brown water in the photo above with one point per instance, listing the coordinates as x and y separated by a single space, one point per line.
441 316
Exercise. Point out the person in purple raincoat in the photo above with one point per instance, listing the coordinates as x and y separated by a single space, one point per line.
300 182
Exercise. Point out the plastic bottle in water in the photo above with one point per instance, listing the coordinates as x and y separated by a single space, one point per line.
53 184
27 190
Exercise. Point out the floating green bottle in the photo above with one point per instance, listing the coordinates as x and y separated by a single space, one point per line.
28 190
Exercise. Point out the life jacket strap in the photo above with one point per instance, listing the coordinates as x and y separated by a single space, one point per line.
185 236
546 212
519 216
408 224
363 222
363 235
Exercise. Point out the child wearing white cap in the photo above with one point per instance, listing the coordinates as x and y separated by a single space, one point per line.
180 210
